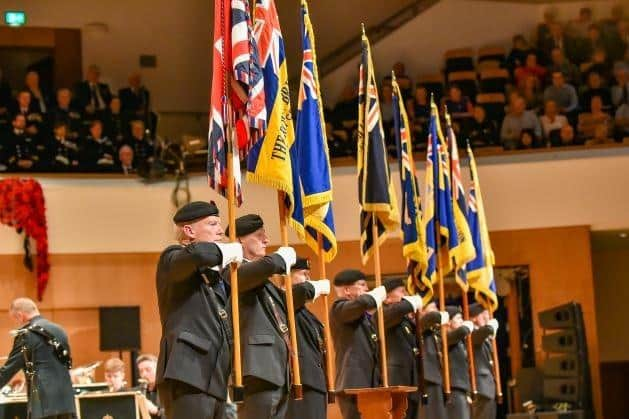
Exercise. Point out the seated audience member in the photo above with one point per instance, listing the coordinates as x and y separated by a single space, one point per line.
559 62
419 112
530 91
588 121
531 67
91 95
115 375
599 64
115 123
460 108
562 93
386 111
97 154
621 121
63 154
125 159
147 366
142 146
519 51
544 35
551 120
22 151
517 120
24 106
601 136
580 26
339 143
556 39
40 100
406 87
595 88
64 112
587 46
618 41
135 99
620 90
483 132
527 140
564 137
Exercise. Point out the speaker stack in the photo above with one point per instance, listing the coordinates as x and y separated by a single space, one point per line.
566 368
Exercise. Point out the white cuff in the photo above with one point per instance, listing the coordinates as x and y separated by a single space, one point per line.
232 252
415 300
494 325
379 294
321 287
445 317
468 325
289 256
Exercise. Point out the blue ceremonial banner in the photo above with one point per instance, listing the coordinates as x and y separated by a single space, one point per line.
312 150
375 191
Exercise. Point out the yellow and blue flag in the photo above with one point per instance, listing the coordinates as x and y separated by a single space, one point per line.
375 191
464 252
414 247
312 148
271 160
480 271
438 203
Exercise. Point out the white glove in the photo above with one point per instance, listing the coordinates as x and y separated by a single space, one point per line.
232 252
494 325
379 294
289 256
415 300
321 287
469 325
445 317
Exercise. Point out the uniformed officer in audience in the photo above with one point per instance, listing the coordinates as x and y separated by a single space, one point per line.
42 351
459 405
354 332
484 406
64 112
195 353
430 325
142 145
97 153
63 154
22 147
403 346
116 124
311 344
34 119
267 375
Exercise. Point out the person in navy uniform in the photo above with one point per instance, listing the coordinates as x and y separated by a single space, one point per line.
458 329
34 119
484 406
311 344
21 147
353 327
97 154
63 155
42 351
63 111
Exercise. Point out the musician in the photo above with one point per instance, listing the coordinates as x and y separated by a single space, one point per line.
353 327
40 349
458 330
195 354
115 375
263 321
311 344
402 345
147 367
430 325
484 406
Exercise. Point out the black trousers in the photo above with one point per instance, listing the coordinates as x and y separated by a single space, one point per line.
312 406
183 401
435 408
458 407
411 411
484 408
263 400
348 406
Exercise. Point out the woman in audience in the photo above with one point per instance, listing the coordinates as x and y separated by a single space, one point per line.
530 90
595 87
518 53
483 132
551 120
531 67
588 122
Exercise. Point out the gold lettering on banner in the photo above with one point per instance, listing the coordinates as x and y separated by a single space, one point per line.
280 148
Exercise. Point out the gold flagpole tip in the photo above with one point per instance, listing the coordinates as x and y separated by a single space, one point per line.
362 27
393 75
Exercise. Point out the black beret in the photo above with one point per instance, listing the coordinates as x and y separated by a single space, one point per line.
247 224
453 310
194 211
392 283
302 263
476 309
348 277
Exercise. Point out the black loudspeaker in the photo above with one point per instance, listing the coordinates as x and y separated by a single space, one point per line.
119 328
563 366
561 317
564 341
562 389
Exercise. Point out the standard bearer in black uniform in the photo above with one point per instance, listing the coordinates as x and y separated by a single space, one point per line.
195 353
459 405
484 406
42 351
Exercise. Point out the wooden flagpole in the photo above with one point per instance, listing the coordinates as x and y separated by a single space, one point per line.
494 353
378 275
442 307
470 348
329 367
290 305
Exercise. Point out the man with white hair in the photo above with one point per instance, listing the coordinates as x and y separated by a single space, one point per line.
41 349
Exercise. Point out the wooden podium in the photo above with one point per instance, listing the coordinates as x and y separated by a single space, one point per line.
382 402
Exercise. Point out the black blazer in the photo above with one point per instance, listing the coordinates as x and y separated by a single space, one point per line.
51 393
430 327
483 361
457 354
310 342
194 347
132 102
264 351
82 96
402 355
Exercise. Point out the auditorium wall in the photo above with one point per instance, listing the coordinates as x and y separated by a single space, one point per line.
80 283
